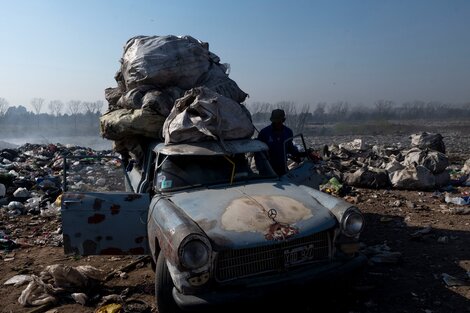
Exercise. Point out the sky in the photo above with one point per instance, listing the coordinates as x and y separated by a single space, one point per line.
307 52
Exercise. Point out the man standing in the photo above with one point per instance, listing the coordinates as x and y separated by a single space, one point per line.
274 136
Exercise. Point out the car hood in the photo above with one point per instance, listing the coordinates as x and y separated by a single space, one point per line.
249 215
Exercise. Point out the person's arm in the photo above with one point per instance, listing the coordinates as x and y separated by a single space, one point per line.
291 150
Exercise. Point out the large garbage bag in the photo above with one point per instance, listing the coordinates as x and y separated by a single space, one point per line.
113 95
203 114
393 166
413 178
164 61
434 161
425 140
367 177
217 79
132 99
124 123
162 101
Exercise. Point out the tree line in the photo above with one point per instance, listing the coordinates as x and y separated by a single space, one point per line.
55 117
329 113
77 117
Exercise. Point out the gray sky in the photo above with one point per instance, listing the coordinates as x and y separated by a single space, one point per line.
302 51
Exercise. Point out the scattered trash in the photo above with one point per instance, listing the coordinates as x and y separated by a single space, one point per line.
420 233
136 306
110 308
59 278
18 280
452 281
8 244
456 210
458 200
80 298
21 193
333 186
443 239
381 254
356 144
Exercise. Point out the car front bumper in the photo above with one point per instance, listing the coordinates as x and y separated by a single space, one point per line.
256 288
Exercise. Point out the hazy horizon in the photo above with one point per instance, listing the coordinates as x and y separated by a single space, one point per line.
302 51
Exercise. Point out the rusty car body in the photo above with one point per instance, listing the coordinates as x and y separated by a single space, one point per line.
219 224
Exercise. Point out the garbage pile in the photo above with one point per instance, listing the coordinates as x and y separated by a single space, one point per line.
172 88
31 179
422 167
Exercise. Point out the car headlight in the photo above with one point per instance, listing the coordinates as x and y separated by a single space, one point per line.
352 223
194 254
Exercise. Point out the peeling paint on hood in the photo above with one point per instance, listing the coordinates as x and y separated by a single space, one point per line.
250 215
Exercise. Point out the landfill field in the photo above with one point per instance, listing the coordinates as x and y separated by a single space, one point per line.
416 240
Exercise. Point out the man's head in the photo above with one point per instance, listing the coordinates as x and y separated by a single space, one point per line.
278 116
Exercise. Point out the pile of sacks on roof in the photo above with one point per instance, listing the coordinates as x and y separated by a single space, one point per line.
172 88
422 167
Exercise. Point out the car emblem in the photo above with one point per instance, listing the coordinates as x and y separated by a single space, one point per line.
272 214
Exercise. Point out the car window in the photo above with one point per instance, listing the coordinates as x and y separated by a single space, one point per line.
184 171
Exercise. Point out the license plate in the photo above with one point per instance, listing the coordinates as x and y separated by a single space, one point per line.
298 255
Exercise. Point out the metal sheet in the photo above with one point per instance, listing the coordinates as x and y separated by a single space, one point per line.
105 223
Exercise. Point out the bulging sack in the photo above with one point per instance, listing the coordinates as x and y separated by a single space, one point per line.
434 161
164 61
124 123
413 178
425 140
217 79
202 114
368 178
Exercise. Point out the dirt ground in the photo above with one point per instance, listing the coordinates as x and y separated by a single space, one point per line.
431 244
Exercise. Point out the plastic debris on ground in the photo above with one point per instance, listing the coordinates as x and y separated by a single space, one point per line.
60 279
458 200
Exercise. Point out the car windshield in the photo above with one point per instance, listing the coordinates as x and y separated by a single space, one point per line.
185 171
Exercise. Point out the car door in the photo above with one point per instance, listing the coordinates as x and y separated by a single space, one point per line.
98 215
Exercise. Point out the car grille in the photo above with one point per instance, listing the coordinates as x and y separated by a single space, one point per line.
234 264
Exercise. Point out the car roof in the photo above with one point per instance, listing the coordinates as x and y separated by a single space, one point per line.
212 147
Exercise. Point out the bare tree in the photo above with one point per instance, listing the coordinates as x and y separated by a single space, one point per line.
384 107
73 107
37 103
98 105
3 107
320 112
259 110
294 119
338 110
55 108
89 107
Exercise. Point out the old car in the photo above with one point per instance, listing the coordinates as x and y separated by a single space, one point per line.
220 226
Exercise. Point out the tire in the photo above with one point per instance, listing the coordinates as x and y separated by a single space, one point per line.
163 288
